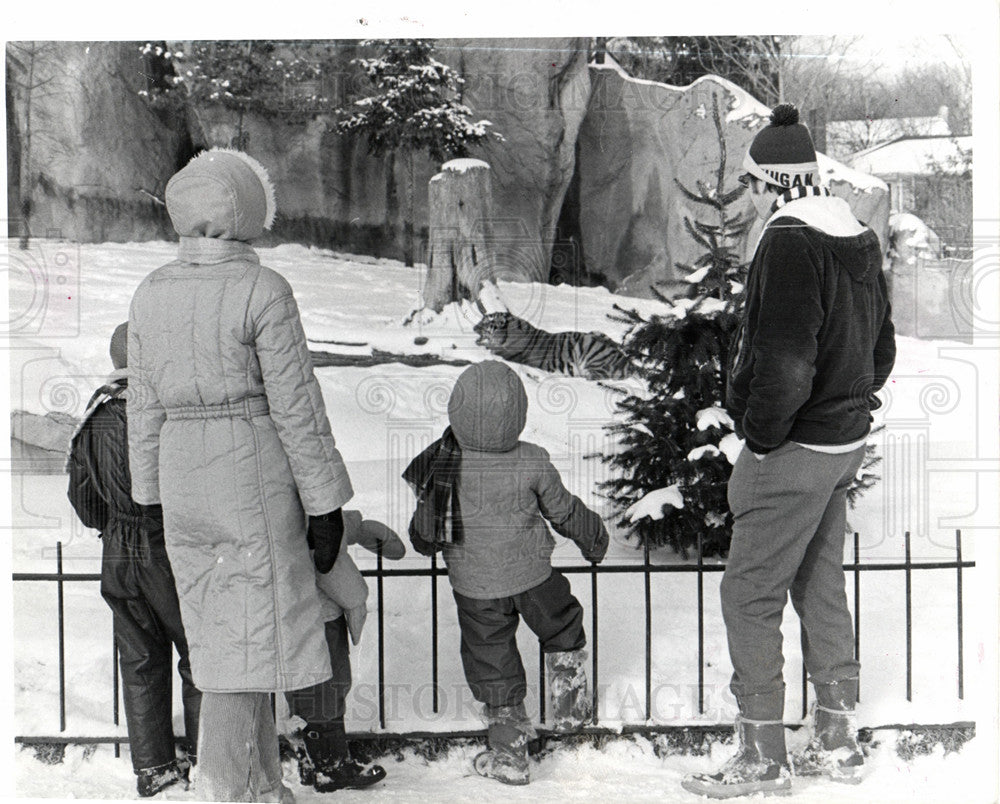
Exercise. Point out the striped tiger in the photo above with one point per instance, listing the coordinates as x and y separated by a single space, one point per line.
579 354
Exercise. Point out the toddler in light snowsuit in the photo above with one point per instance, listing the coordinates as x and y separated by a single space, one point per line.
325 761
483 498
136 582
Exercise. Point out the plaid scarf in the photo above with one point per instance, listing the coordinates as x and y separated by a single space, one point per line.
433 475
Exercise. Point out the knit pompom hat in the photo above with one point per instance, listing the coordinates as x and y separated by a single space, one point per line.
782 153
221 193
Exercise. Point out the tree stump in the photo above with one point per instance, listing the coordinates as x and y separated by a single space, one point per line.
460 256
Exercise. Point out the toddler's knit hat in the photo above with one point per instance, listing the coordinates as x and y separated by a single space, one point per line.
782 153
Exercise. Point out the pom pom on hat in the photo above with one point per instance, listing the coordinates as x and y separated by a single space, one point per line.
784 114
782 153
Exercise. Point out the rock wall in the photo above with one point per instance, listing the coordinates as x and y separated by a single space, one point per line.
95 147
332 191
535 93
86 143
640 138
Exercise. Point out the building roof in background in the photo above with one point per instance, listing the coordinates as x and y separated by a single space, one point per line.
913 155
843 137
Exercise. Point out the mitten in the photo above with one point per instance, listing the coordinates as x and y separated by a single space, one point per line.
373 536
324 535
599 549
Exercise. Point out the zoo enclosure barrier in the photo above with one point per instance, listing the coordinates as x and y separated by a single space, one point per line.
646 569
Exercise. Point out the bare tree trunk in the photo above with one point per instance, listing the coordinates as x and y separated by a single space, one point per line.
27 186
460 258
408 217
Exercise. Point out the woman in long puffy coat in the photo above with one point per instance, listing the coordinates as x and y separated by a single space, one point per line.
228 431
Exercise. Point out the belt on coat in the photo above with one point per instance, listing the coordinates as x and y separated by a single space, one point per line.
246 408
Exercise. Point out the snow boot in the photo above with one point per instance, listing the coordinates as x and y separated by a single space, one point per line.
833 750
282 794
568 690
508 732
150 781
760 764
325 760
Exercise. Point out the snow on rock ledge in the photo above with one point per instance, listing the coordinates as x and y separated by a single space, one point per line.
462 165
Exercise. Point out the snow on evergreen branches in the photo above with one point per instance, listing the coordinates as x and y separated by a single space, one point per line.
714 416
414 103
652 504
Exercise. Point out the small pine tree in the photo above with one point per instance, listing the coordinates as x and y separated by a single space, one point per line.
413 108
260 76
670 435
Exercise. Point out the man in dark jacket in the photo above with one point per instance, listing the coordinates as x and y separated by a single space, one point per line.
137 583
815 343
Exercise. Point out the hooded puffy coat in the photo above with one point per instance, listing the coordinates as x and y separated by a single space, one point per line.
228 430
507 489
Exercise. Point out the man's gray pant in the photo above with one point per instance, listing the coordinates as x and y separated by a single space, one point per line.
789 515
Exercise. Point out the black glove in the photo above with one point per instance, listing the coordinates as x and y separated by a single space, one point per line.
324 535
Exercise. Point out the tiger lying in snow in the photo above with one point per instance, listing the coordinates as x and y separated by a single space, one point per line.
579 354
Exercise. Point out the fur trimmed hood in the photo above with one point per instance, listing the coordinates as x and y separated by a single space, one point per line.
223 194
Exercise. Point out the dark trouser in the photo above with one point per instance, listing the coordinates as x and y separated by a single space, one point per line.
324 703
789 514
490 657
138 585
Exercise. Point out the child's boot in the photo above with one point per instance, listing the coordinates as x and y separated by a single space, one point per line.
328 765
508 732
833 750
150 781
568 689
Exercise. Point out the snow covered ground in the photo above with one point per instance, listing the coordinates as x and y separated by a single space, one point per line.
939 474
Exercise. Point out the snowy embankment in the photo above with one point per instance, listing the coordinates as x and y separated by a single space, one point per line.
382 416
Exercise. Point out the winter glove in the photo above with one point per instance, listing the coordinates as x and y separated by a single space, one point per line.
324 535
356 621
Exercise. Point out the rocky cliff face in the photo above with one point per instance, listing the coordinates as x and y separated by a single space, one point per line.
535 93
638 140
331 191
85 143
93 150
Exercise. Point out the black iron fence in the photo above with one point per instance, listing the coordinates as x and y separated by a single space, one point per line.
855 569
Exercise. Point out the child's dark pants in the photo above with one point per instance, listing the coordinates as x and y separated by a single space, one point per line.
490 657
325 702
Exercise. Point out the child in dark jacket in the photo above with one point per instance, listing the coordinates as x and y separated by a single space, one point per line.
137 583
483 498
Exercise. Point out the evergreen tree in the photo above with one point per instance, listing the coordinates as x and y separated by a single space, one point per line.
413 107
260 76
675 434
